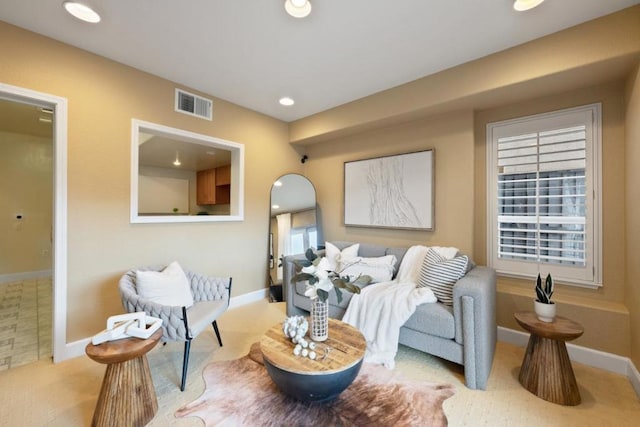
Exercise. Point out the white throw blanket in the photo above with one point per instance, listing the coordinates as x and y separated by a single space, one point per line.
380 310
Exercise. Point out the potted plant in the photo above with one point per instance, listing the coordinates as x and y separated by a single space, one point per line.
545 308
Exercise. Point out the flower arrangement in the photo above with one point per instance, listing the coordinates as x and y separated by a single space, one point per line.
321 279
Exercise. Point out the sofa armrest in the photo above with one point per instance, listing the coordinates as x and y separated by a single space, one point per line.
474 310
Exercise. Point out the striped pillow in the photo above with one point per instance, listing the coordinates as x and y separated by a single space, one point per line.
440 274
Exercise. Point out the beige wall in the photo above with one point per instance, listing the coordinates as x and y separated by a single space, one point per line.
103 96
449 111
602 312
632 157
573 58
450 135
26 182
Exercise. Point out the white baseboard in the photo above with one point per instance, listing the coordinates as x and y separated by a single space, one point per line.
596 358
25 275
76 349
634 377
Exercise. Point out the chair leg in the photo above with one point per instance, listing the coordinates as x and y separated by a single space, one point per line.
185 363
215 328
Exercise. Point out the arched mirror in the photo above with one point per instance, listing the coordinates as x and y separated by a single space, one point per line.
293 225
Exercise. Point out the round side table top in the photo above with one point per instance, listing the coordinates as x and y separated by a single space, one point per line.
560 329
122 350
346 347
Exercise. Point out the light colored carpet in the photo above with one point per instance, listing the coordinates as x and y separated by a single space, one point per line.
240 393
65 394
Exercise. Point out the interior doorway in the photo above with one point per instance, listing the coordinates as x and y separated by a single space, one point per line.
33 131
26 220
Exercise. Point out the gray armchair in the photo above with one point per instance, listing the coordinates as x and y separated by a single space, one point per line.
211 299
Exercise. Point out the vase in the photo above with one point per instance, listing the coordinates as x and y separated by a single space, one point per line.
319 320
545 312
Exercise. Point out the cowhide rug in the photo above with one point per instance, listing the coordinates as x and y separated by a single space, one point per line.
240 393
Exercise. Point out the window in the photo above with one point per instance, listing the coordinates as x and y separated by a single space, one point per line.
543 190
303 238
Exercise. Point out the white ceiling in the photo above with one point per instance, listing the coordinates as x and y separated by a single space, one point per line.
250 52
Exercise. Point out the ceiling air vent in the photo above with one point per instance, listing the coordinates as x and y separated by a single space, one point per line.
193 105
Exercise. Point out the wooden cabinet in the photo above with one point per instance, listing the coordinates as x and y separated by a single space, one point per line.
223 175
214 186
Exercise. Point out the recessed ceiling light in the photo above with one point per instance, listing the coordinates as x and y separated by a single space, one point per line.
298 8
286 101
82 11
277 184
275 206
522 5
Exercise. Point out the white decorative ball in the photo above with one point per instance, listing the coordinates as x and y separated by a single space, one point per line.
312 355
312 345
295 327
297 349
305 352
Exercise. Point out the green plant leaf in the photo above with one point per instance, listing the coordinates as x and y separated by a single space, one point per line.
301 277
363 280
548 288
338 294
300 263
310 254
323 295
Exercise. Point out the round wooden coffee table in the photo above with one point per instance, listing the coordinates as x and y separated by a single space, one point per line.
127 396
317 380
546 369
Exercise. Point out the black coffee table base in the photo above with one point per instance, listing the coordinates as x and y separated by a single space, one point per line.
313 388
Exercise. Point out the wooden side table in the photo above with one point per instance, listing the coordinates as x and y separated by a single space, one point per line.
546 369
319 380
127 396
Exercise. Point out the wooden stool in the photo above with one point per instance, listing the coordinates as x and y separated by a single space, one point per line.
546 369
127 396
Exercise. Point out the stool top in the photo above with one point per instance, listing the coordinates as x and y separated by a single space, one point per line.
560 329
122 350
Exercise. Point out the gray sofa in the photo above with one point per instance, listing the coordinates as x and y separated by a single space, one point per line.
464 334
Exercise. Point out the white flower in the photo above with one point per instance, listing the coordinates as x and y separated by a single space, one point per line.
309 270
322 275
311 292
325 284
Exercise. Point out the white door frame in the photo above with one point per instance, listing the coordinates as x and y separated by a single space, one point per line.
59 106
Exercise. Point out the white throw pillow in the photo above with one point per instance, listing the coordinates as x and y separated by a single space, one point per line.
167 287
335 256
380 269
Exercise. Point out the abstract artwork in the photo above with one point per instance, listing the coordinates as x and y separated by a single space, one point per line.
390 192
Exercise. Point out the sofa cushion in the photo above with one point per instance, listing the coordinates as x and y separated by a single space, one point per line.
440 274
380 269
433 319
370 250
336 255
